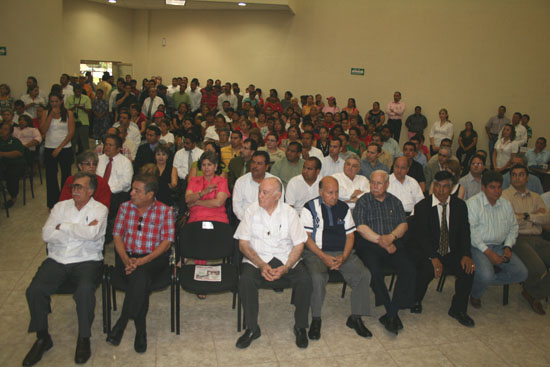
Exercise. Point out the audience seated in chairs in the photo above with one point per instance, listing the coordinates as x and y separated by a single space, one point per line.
75 234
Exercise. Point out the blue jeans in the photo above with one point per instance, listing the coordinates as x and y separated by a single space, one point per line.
513 271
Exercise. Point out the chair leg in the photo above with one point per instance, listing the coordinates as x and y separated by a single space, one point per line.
392 281
108 295
234 300
24 190
31 181
5 201
177 309
104 303
505 292
344 286
113 297
39 170
172 305
238 312
441 283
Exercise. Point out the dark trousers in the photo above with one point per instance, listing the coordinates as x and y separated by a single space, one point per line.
80 139
452 266
395 128
138 289
116 200
11 173
64 160
251 280
464 157
379 261
49 277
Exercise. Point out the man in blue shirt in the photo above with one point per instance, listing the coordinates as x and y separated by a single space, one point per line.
494 230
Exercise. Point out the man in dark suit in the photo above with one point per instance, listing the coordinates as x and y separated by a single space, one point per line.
441 235
146 152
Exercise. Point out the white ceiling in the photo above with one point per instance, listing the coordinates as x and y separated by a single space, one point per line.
280 5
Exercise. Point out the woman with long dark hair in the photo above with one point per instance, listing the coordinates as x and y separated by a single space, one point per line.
57 125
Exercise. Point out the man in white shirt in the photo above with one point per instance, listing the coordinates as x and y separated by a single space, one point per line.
308 150
271 239
351 185
333 163
227 96
246 187
304 187
195 95
185 157
117 170
74 233
175 87
67 89
404 187
151 104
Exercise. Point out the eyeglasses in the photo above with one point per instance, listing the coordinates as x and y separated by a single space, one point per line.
140 219
477 164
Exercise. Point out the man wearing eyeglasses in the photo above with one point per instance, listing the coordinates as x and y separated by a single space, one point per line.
87 162
74 233
144 229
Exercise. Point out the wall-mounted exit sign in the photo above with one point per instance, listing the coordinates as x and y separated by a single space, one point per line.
357 71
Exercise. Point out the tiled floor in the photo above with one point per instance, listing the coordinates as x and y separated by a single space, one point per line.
504 335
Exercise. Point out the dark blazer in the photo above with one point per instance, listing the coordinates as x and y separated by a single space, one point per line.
236 166
426 232
144 155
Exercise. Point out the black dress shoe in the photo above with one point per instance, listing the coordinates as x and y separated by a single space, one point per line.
390 323
463 318
314 332
247 338
417 308
357 325
83 351
301 337
399 323
38 349
140 342
115 336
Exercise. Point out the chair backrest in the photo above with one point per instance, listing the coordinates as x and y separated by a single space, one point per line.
206 240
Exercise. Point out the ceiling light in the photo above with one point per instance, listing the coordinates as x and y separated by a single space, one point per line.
175 2
112 1
241 4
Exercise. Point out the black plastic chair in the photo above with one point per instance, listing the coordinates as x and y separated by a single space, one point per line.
4 197
505 289
207 241
116 281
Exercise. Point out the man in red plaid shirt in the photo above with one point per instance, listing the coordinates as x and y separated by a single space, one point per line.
143 232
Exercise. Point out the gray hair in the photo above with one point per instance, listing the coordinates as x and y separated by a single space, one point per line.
93 179
382 172
353 156
87 155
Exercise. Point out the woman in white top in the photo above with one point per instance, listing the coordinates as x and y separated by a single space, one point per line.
440 130
32 100
506 148
57 125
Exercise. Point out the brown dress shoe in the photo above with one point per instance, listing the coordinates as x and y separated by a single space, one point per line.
535 304
475 302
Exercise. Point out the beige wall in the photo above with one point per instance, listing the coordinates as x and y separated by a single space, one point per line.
468 56
32 31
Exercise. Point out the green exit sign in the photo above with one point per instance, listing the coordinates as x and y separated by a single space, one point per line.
357 71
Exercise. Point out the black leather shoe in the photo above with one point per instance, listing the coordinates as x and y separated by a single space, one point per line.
83 351
359 327
390 323
140 342
115 336
417 308
301 337
463 318
247 338
314 332
38 349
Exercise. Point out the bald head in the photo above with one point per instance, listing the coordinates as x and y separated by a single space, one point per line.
328 190
401 168
270 193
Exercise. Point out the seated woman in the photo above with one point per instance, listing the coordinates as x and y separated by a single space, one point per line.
271 147
212 146
167 175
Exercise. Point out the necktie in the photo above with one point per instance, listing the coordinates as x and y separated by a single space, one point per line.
444 239
108 169
150 109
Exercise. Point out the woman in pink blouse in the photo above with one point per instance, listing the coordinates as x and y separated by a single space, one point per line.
206 195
